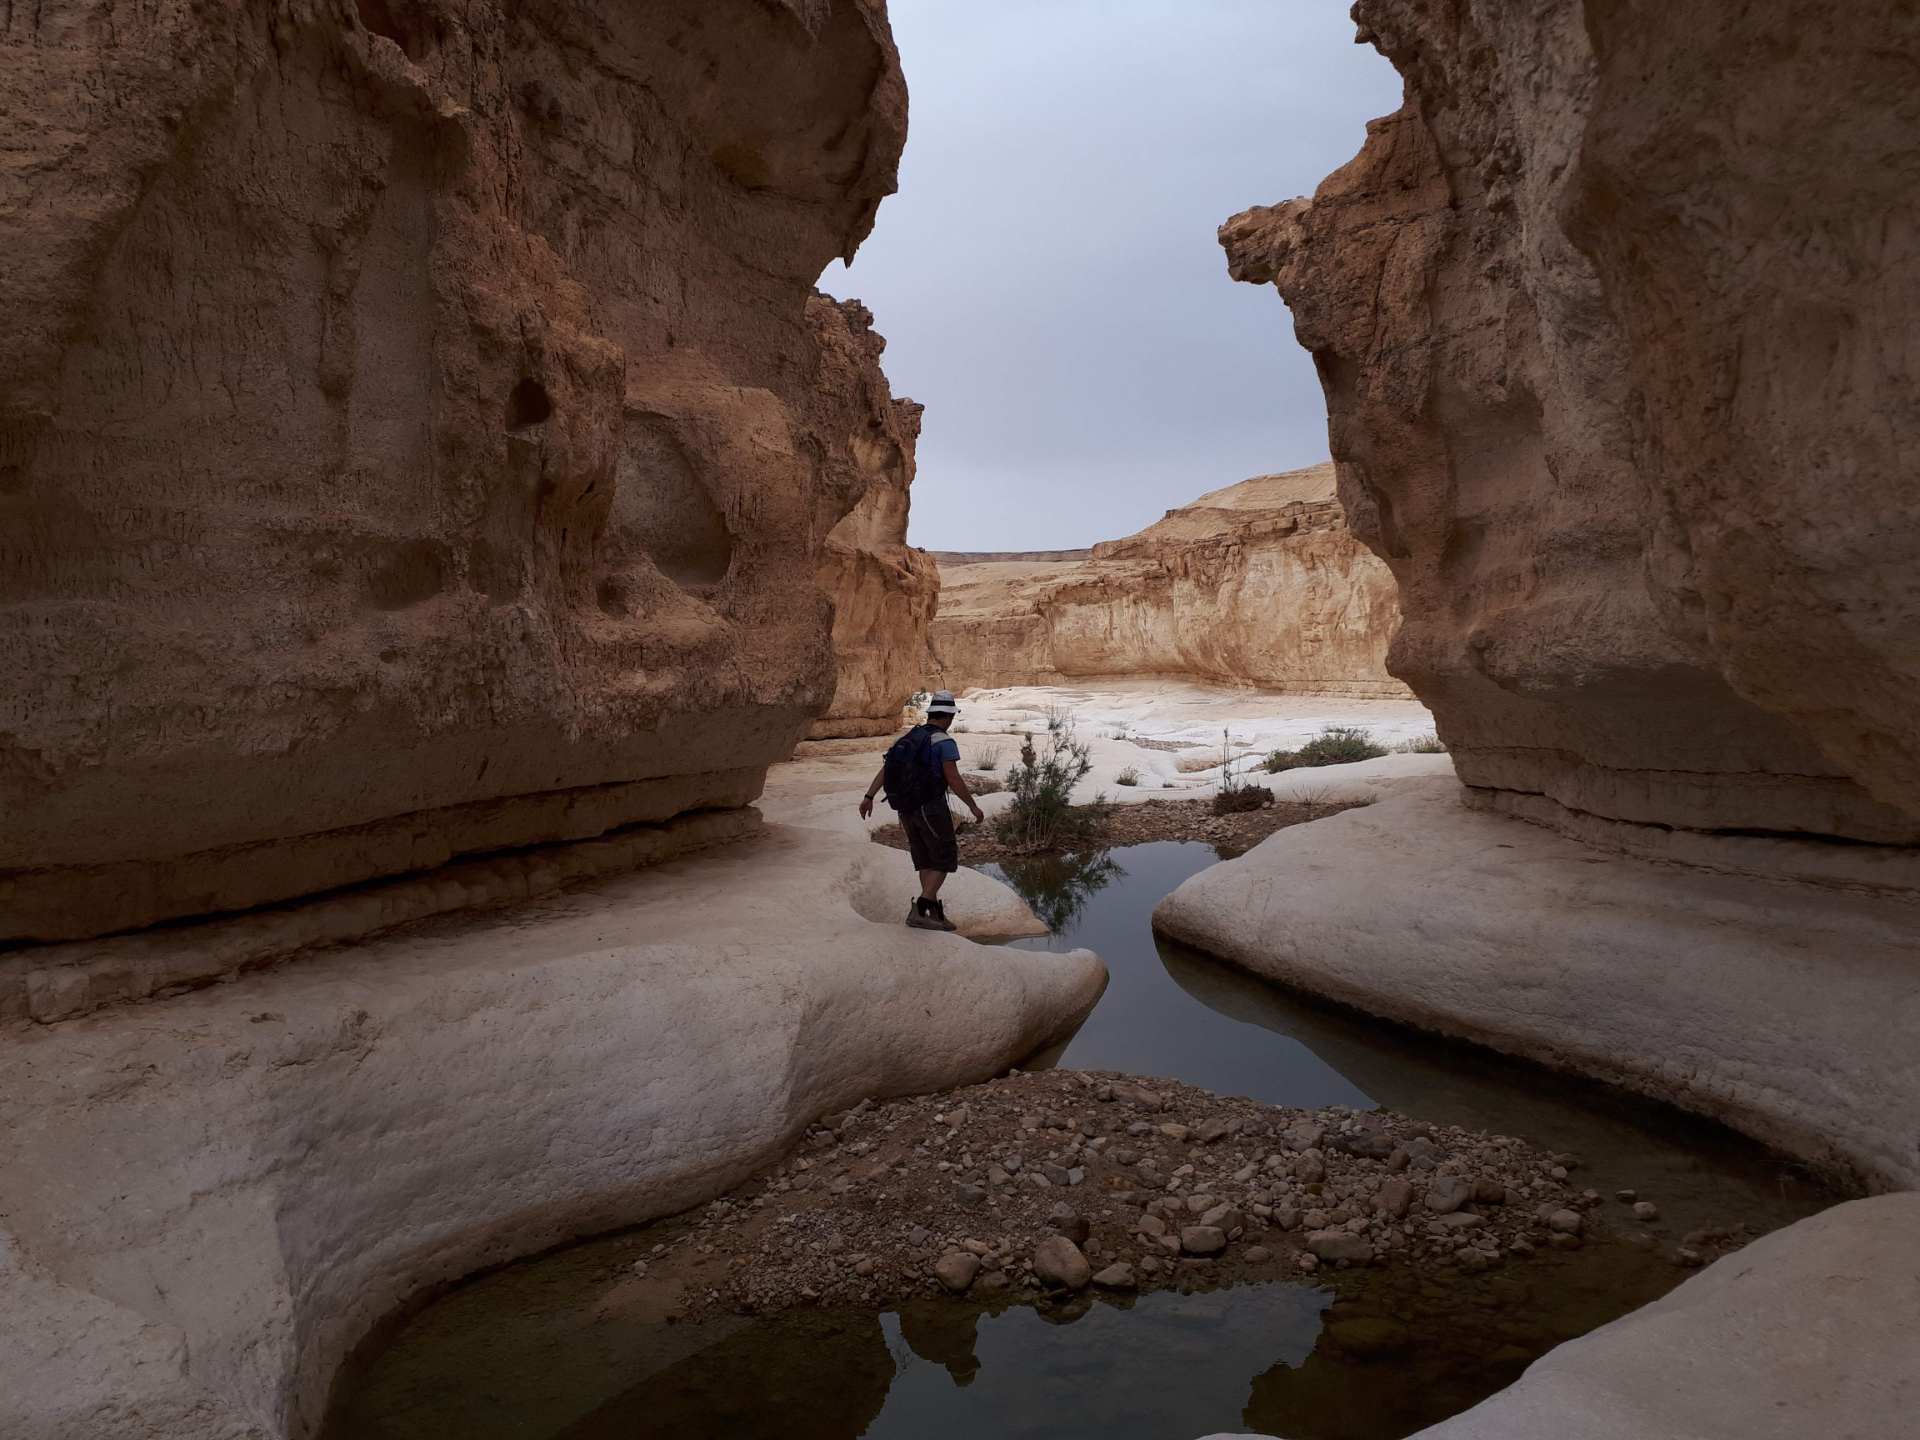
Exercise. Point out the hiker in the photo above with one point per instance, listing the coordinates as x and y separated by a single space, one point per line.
921 766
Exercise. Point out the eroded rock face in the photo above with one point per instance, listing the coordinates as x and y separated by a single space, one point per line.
1259 583
407 438
884 591
1616 323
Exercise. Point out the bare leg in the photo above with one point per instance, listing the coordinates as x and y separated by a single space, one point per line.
930 883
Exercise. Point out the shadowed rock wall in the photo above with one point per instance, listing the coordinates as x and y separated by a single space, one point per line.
1616 320
408 438
884 591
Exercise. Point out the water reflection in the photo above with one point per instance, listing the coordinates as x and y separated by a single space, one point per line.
1058 887
573 1347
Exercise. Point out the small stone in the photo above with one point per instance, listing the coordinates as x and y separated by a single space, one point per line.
1309 1169
1199 1204
1256 1255
1151 1224
864 1266
1333 1245
1175 1132
969 1194
1202 1239
997 1176
1305 1263
1209 1131
1013 1163
1076 1174
1398 1160
992 1280
1316 1220
1286 1217
1123 1155
977 1247
1558 1172
1687 1255
1460 1220
1056 1174
1116 1277
918 1236
1393 1199
1565 1222
1066 1221
1058 1262
1626 1197
1448 1193
1489 1192
1645 1210
1224 1217
956 1270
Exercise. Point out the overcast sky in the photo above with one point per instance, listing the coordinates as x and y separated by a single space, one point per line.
1048 279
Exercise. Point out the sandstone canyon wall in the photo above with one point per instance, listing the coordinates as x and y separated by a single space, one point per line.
1259 583
1617 323
416 435
884 591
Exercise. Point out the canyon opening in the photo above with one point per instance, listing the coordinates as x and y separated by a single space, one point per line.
1320 838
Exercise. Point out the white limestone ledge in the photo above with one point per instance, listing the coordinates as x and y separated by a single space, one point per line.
206 1201
1812 1331
1787 1010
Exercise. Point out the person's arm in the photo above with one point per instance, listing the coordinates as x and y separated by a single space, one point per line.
866 801
958 785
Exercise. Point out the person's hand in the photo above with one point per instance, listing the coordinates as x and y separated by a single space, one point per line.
979 818
866 806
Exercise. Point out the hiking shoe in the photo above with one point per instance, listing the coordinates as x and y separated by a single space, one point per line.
939 915
920 917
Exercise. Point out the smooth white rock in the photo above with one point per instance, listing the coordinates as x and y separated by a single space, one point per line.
1790 1011
205 1201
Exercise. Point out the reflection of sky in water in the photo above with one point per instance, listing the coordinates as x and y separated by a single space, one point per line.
1147 1022
1173 1365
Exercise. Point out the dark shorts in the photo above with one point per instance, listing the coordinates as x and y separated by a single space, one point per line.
930 839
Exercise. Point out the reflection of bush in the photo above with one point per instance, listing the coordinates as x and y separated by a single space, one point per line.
1059 885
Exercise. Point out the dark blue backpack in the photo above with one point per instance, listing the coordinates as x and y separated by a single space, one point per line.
911 776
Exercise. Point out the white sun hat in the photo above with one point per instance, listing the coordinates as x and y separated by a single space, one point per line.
942 704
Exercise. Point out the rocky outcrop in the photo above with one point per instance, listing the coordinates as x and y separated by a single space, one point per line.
883 590
410 435
1615 324
1256 584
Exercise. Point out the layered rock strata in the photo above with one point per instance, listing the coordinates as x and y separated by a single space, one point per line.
884 591
1258 584
411 434
1615 323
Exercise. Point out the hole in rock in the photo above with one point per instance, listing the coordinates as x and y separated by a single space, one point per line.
379 18
662 507
529 404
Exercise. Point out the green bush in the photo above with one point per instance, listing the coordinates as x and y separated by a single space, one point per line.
1059 720
987 759
1129 777
1334 745
1241 797
1422 745
1042 814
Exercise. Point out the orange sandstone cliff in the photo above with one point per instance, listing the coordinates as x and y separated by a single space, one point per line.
1259 583
411 442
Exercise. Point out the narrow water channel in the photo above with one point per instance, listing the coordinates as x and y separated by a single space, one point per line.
560 1348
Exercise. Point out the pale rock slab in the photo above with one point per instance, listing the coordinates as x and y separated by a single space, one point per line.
1812 1330
209 1200
1786 1009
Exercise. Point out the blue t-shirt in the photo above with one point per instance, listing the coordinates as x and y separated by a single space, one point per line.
945 748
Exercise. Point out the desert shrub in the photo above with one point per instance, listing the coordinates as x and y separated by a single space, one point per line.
1042 815
1128 777
1339 745
1422 745
1241 797
987 759
1335 745
1059 720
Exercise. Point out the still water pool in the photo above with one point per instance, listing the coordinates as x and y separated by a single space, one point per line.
564 1348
